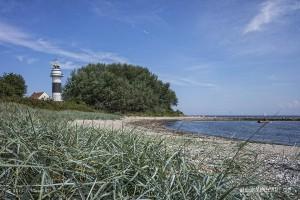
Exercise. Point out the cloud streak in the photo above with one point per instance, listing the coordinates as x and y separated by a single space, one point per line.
269 11
26 59
122 12
179 81
295 104
13 36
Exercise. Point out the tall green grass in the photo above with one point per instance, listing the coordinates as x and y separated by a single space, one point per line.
49 104
43 157
63 115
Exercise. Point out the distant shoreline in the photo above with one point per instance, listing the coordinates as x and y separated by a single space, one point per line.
159 125
254 118
221 118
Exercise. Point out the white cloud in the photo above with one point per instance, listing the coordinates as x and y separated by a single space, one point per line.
120 11
269 11
13 36
20 58
146 32
197 67
26 59
294 104
186 81
273 77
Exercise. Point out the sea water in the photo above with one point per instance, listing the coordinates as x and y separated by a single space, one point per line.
275 132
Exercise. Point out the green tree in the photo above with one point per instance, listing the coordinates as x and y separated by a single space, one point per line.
120 87
12 85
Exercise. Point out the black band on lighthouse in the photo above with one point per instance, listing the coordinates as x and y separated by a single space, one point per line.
56 87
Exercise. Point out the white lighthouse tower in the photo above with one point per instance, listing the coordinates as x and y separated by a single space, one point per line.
56 75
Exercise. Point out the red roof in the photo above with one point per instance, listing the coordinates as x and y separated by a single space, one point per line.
36 95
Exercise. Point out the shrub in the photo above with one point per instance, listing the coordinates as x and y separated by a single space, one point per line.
120 88
12 85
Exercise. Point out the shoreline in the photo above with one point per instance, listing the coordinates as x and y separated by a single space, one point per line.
160 125
157 125
279 164
220 118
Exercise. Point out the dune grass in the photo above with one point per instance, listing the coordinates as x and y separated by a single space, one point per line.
44 157
63 115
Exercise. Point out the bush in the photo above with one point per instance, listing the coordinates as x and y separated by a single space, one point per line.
12 85
120 88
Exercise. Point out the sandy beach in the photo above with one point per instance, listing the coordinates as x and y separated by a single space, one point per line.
278 164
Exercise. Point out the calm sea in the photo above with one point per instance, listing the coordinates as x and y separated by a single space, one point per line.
276 132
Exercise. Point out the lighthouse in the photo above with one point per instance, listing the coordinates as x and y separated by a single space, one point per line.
56 75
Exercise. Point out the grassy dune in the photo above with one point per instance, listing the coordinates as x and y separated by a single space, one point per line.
42 156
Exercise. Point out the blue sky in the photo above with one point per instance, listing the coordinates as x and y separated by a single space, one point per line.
221 57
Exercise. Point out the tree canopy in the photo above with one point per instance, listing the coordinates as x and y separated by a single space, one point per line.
120 88
12 85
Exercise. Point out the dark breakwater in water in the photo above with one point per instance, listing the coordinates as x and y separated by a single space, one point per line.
275 132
